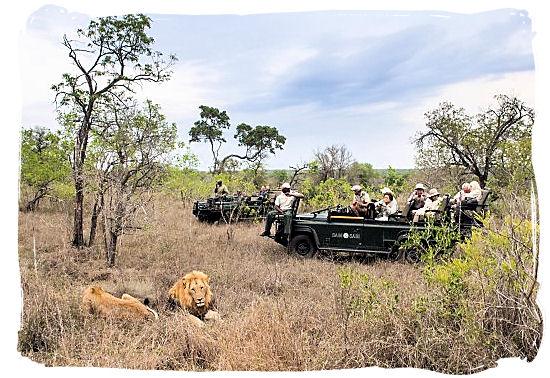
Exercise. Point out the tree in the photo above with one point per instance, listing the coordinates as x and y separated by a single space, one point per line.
474 143
112 55
333 162
394 180
364 174
210 129
280 176
297 170
259 141
135 144
43 162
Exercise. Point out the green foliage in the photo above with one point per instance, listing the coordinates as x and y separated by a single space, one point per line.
280 176
365 175
193 185
259 140
44 163
395 181
433 241
43 160
365 294
210 127
328 193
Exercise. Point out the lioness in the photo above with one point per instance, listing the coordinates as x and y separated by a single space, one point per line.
97 300
192 293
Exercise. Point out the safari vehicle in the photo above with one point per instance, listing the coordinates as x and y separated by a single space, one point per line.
339 230
231 209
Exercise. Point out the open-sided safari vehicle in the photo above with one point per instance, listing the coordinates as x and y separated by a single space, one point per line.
340 230
231 209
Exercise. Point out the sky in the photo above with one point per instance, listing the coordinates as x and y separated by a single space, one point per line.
359 78
363 79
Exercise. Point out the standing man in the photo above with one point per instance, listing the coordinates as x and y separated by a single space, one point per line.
283 205
360 202
220 189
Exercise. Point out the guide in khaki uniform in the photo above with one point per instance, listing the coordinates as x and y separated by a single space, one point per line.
283 205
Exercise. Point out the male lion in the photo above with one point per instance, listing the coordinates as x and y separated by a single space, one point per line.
97 300
192 293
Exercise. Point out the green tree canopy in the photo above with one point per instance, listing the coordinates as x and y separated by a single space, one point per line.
259 141
210 129
43 162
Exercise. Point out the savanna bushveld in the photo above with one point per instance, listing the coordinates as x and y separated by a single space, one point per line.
106 201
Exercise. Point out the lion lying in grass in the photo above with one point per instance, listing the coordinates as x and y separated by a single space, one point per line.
97 300
193 294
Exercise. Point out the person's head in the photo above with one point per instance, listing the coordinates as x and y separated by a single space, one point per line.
466 188
356 189
474 185
419 188
285 188
267 187
433 194
262 188
388 197
219 182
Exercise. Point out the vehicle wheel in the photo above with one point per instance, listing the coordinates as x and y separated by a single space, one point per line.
397 250
412 256
302 246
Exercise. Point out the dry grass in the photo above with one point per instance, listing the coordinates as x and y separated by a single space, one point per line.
280 313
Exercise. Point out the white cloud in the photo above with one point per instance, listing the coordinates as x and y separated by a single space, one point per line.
280 62
475 95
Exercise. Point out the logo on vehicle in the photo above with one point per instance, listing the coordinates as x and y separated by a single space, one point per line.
345 235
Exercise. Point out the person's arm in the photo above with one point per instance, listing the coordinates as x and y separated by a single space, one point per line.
277 205
297 195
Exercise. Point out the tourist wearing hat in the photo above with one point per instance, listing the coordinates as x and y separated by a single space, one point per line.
417 199
361 201
283 205
220 189
432 203
386 206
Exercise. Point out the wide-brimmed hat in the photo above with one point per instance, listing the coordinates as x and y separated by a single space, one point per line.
419 186
286 185
356 188
386 190
433 192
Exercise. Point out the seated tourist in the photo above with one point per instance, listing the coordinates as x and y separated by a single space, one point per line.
361 201
386 206
432 203
417 199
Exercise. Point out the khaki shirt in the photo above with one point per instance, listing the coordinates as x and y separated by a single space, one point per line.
284 202
222 189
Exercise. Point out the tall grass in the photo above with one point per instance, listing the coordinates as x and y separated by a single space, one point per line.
279 313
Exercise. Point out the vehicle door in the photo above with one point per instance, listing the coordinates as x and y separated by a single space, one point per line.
372 234
345 235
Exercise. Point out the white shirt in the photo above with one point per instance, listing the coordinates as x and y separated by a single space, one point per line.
284 202
363 197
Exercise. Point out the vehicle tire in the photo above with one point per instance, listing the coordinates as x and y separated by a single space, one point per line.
412 256
397 250
302 246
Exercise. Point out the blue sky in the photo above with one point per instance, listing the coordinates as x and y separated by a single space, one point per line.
359 78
